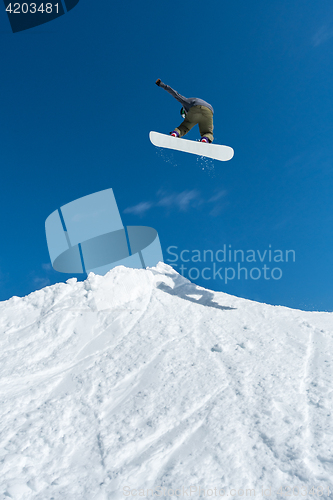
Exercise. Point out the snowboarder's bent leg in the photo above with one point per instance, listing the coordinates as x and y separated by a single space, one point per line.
206 123
201 115
191 119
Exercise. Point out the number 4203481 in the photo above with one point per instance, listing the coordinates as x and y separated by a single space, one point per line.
32 8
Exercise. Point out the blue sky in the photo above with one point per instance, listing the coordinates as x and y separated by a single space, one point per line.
79 99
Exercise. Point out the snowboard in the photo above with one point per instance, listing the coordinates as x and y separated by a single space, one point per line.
215 151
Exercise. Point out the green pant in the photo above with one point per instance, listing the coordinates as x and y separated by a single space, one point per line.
198 115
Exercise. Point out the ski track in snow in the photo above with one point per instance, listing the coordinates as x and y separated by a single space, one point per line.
141 379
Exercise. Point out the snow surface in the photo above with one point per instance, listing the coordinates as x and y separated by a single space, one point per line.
140 380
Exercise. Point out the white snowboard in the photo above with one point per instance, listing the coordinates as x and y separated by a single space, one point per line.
215 151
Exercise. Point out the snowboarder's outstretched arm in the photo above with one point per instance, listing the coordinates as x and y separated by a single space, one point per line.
186 103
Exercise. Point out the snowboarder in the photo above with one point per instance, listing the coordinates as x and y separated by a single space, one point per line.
194 111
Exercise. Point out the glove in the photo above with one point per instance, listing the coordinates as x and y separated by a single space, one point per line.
158 82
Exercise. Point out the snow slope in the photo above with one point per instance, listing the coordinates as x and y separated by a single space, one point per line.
141 380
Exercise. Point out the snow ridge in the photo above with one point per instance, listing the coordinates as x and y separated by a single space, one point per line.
141 380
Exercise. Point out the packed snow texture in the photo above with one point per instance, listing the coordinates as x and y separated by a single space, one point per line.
139 384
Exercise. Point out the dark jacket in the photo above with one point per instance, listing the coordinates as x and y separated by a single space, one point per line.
187 103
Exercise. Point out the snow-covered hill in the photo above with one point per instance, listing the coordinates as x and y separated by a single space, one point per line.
139 384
